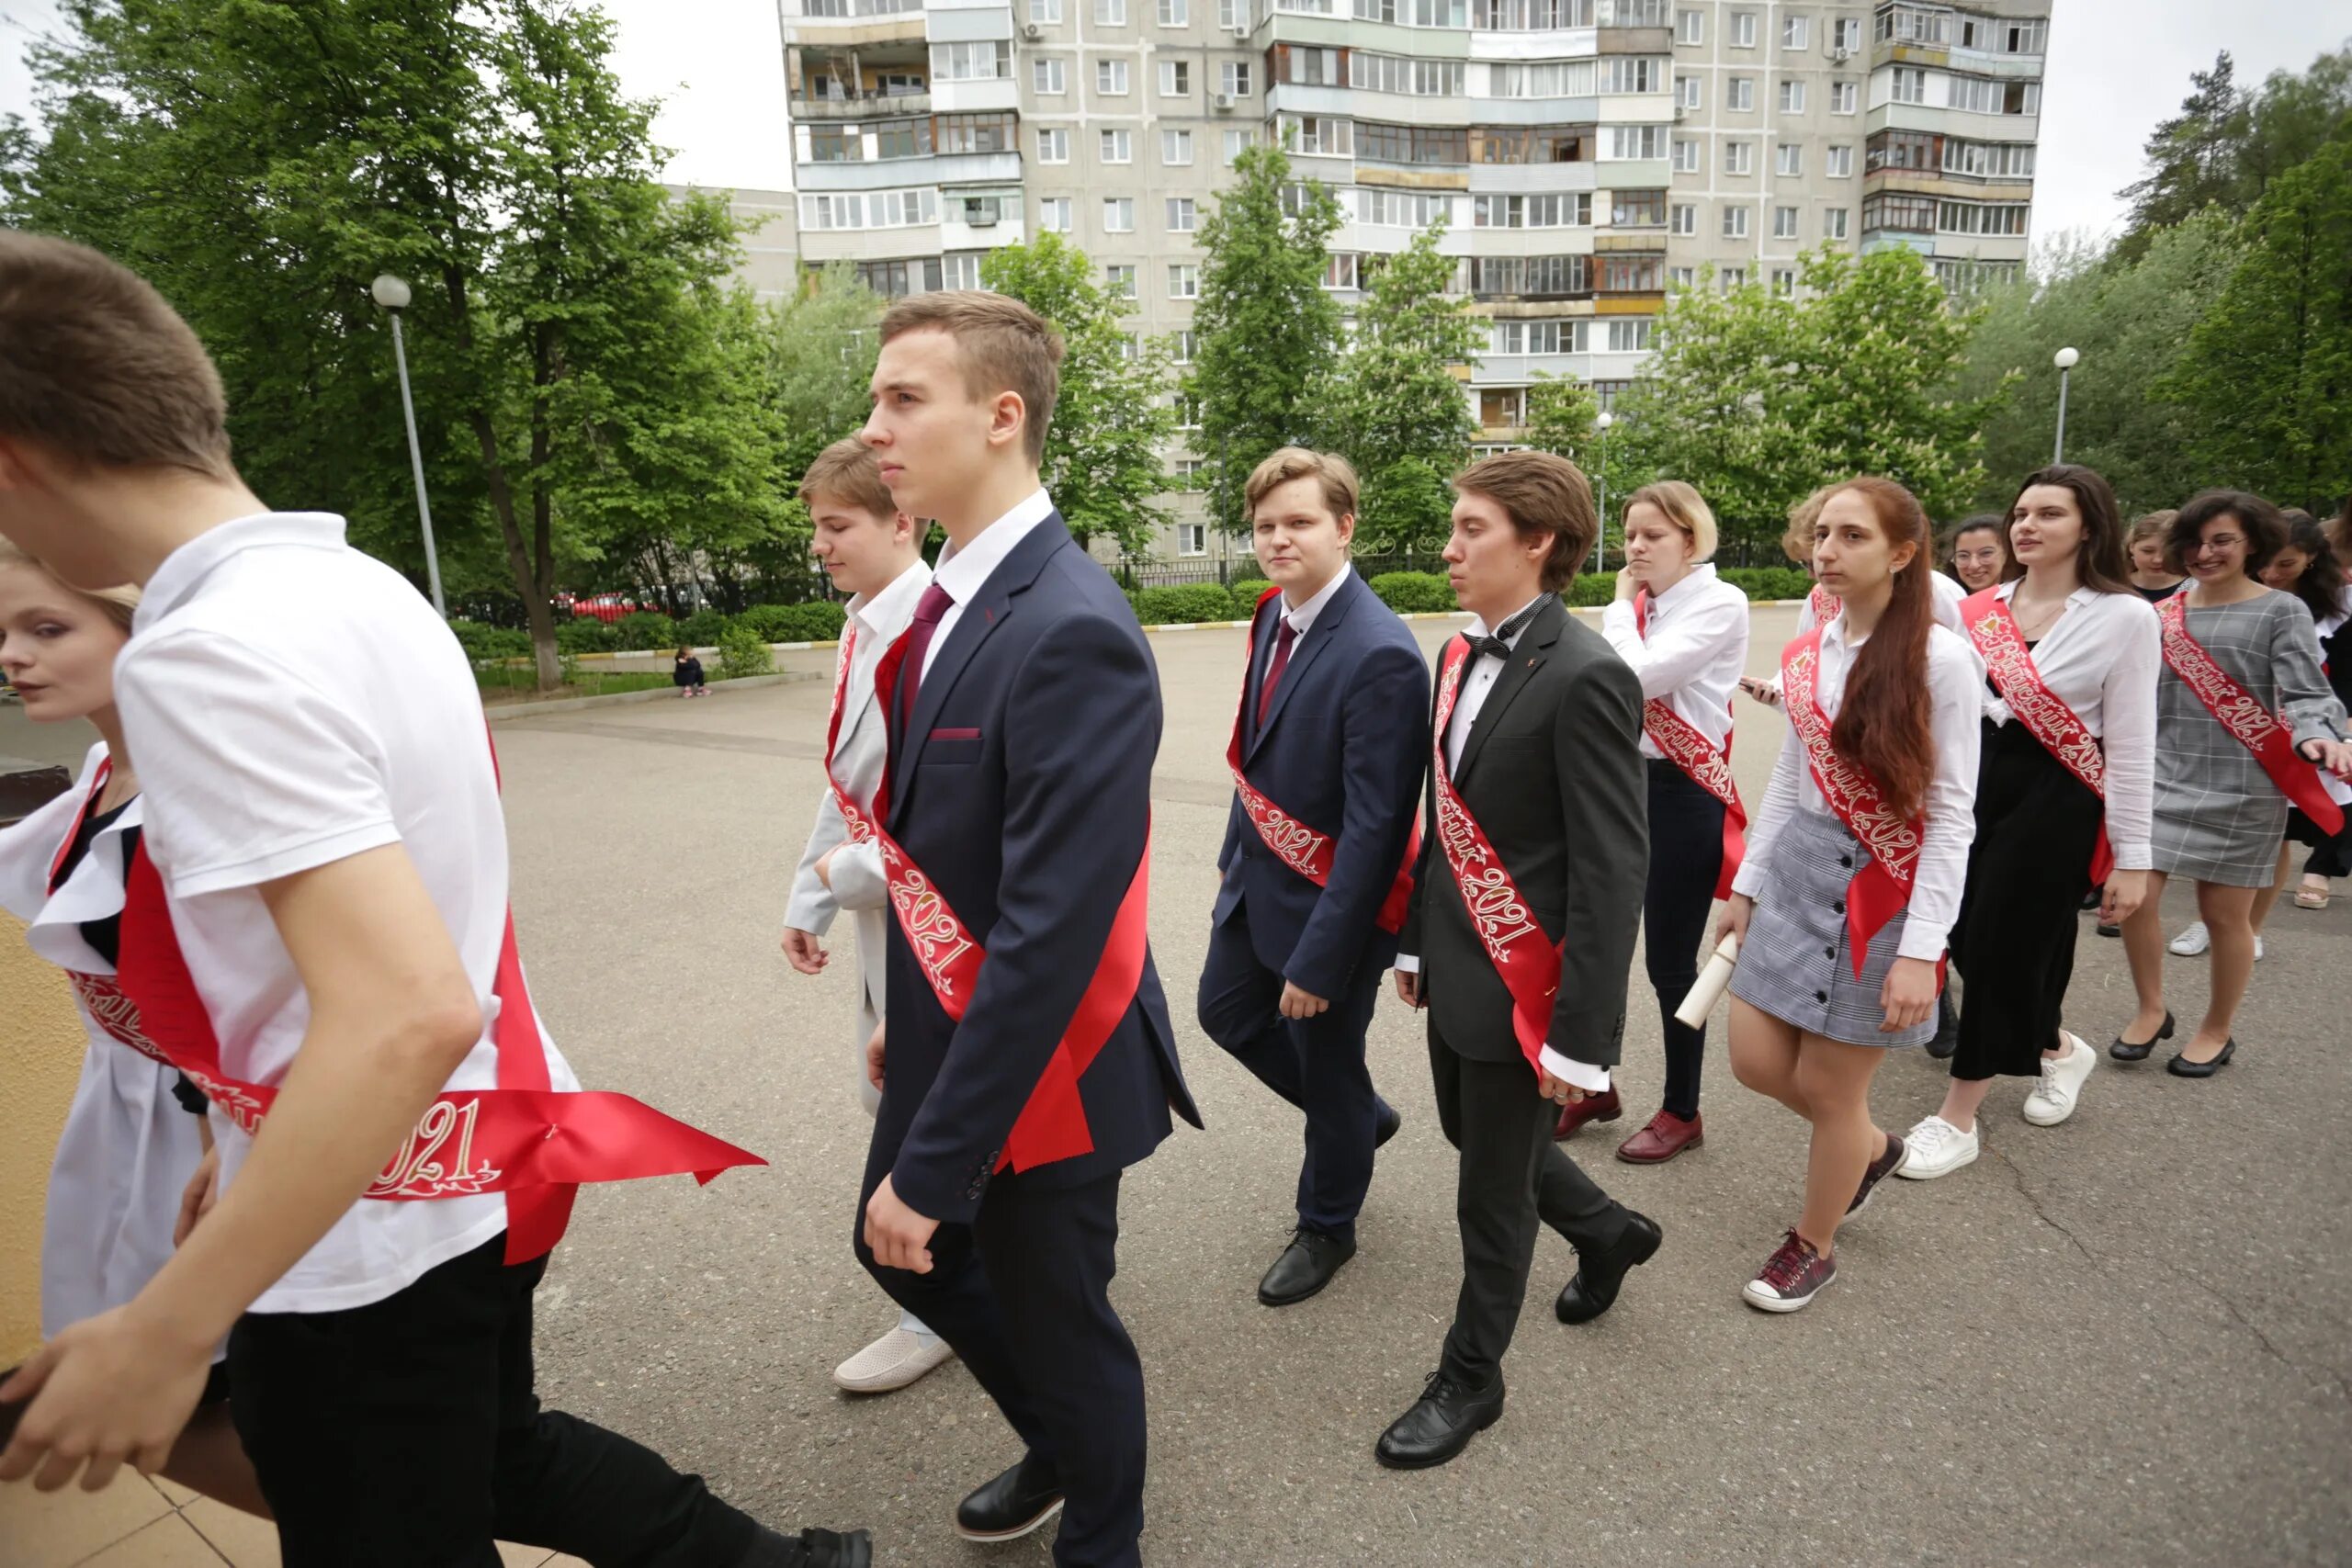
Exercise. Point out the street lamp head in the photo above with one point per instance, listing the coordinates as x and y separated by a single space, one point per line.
1603 420
392 292
2065 359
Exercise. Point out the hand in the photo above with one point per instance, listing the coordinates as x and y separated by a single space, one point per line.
825 866
110 1389
1408 987
1560 1091
2125 891
873 1056
1627 583
1296 1003
203 1192
1765 691
1737 910
900 1237
1908 996
803 951
2334 756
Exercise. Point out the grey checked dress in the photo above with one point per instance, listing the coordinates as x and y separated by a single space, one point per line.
2218 818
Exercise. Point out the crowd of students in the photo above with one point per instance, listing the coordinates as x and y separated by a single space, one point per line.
322 1144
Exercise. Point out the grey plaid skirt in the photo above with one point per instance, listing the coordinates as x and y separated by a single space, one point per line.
1798 962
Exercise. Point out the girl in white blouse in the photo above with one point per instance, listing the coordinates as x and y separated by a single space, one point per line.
1684 632
2064 799
1855 861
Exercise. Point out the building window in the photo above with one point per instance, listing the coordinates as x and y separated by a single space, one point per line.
1184 281
1910 84
1740 94
1796 32
893 279
1735 222
1502 408
1846 34
1632 275
1681 277
976 133
1565 209
1734 277
1838 162
1403 74
1053 145
1529 277
2008 218
1180 346
1117 147
1629 334
1175 78
1045 10
1556 79
1636 141
1690 27
1685 155
1120 280
1047 77
1784 282
1634 74
1110 13
1187 412
987 61
1180 214
870 209
1689 93
1410 144
1784 222
1119 214
1233 78
1237 142
1833 223
1743 30
1513 339
1740 157
1638 210
2021 36
1790 160
1842 97
1685 218
1915 24
1529 16
1907 214
1175 13
1342 271
1642 13
1110 78
1191 538
962 271
1176 148
1401 208
1054 215
1793 98
1232 14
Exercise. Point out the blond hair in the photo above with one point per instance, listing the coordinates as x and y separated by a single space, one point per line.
117 605
2151 525
847 472
1543 495
1338 475
1683 507
1004 344
1797 543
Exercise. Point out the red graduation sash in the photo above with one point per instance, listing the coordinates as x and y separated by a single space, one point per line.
2256 727
1881 890
101 995
1527 961
523 1138
1993 627
1701 760
1824 604
1295 843
1052 1123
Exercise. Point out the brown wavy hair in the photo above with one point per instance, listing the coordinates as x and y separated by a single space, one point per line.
1883 723
2101 559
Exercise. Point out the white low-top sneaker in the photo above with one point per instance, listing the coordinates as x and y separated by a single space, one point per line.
893 1362
2192 941
1934 1147
2053 1099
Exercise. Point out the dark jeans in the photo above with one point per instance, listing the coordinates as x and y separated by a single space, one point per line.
1686 858
1316 1063
1511 1179
405 1434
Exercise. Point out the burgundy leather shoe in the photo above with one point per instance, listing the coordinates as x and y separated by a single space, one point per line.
1592 1107
1665 1136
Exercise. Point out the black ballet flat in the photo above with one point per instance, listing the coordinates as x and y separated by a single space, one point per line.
2123 1050
2182 1067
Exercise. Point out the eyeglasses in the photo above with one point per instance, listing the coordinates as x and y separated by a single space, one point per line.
2222 541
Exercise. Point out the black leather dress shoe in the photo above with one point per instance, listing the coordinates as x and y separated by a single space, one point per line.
1440 1424
810 1548
1592 1290
1306 1265
1012 1504
1386 1124
2181 1066
2124 1050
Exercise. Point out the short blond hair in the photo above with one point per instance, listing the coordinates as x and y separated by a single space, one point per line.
1544 496
117 605
1797 543
1683 507
848 472
2151 525
1005 347
1341 485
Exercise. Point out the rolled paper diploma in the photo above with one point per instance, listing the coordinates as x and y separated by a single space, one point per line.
1709 988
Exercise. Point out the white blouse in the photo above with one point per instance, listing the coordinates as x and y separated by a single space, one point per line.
1947 593
2101 658
1955 684
1694 653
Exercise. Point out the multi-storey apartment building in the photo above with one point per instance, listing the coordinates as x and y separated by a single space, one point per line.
1586 155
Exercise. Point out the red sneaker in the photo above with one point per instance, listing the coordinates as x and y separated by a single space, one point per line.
1591 1108
1665 1136
1791 1277
1889 1161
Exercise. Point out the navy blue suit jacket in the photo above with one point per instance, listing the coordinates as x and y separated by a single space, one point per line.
1343 750
1021 785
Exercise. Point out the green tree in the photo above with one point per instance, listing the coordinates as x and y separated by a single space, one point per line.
822 344
2192 157
1267 332
1103 463
1560 411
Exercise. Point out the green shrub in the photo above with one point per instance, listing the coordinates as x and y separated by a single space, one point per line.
1591 588
742 651
484 643
645 631
704 627
814 621
1767 581
1245 597
1183 604
585 634
1413 593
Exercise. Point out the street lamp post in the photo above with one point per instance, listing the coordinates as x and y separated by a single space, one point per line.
1602 422
392 294
2065 359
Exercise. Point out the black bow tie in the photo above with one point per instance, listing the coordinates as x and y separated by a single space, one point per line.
1498 645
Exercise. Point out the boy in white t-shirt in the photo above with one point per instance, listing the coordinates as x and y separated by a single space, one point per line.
329 854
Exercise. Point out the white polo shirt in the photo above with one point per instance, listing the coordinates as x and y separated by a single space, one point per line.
292 702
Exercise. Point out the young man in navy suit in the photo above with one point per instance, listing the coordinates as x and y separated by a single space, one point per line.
1328 748
1028 1058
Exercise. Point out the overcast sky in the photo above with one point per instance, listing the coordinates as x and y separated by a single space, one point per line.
2116 68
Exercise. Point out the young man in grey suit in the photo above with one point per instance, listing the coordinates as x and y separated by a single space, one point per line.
1520 937
873 551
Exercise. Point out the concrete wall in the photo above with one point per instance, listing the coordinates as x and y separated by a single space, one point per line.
40 1059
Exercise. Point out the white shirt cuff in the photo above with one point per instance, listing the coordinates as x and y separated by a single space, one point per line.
1923 940
1407 964
1575 1074
2133 855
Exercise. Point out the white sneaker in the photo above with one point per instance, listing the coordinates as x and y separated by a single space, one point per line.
2190 943
893 1362
2257 947
2054 1098
1934 1147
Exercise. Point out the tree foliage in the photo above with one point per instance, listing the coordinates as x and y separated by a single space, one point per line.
2226 145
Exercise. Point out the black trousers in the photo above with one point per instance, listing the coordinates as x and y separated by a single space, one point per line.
1511 1177
1021 1294
1686 859
405 1434
1316 1063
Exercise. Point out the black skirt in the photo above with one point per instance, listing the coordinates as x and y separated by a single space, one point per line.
2037 825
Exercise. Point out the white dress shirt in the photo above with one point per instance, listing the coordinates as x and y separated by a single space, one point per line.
858 881
1955 690
964 572
1694 653
1948 595
1302 621
2101 657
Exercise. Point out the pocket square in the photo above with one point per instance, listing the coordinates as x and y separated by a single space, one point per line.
954 735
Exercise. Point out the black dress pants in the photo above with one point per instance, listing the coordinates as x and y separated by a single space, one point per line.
1686 859
406 1434
1021 1294
1511 1179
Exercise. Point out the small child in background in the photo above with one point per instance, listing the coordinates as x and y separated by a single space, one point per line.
687 675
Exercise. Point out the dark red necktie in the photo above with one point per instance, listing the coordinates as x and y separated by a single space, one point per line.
932 605
1274 667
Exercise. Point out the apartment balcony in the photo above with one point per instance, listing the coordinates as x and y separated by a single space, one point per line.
926 169
860 106
859 22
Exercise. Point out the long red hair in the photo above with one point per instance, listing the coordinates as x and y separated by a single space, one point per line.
1883 723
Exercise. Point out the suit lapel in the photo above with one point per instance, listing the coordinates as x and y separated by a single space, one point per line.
1326 626
1533 649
